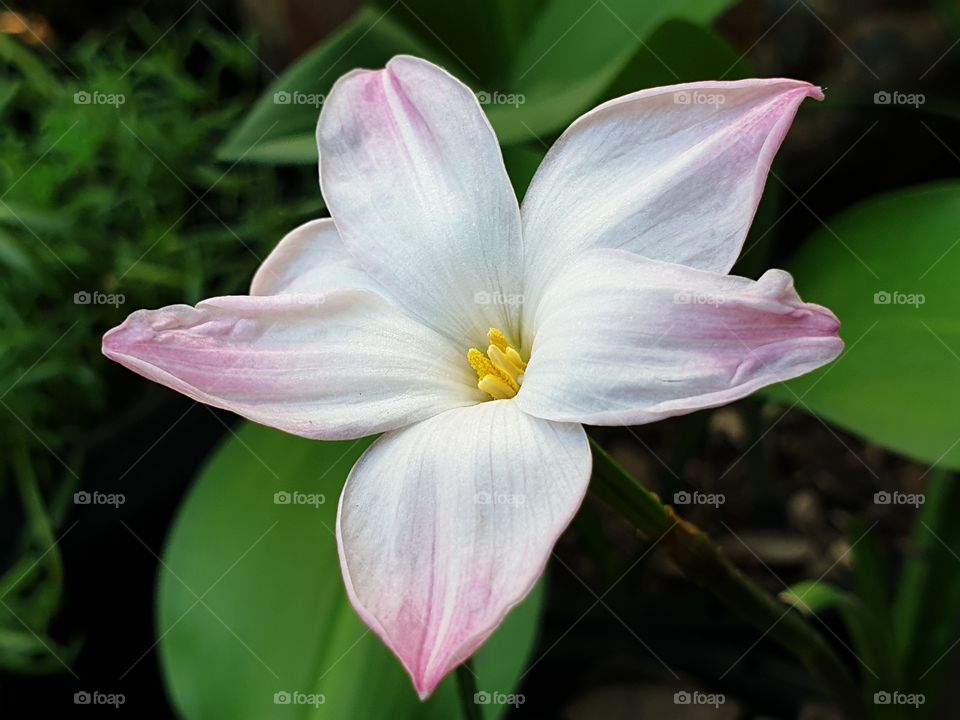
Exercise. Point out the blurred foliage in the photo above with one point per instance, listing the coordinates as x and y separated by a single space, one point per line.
110 199
32 586
900 638
293 612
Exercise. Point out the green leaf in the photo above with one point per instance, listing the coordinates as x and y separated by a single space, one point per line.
13 256
575 51
888 268
872 627
16 215
870 635
280 127
522 162
251 600
680 51
869 572
927 606
479 39
34 71
8 91
293 150
810 596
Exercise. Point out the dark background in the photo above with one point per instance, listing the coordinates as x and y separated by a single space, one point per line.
601 659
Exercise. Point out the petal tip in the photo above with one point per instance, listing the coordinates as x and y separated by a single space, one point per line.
117 340
834 324
425 686
825 322
806 89
403 59
809 90
426 680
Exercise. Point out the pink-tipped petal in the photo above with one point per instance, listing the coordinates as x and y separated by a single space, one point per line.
342 365
673 173
413 175
310 259
446 525
624 340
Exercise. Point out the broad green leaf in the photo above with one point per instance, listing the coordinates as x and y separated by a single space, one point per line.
575 51
522 108
927 606
522 162
251 600
679 51
478 39
280 127
888 268
293 150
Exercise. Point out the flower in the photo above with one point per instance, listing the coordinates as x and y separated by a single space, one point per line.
478 336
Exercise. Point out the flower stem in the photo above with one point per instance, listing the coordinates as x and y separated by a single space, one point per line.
467 684
701 561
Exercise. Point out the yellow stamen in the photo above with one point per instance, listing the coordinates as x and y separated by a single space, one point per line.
496 388
497 337
500 371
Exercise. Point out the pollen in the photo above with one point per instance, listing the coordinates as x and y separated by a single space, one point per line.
499 370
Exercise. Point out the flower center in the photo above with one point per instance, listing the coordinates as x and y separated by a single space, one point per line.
501 369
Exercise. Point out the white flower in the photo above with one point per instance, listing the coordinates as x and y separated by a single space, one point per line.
604 300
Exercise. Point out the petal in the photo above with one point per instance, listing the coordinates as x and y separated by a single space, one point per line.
334 366
446 525
310 259
413 176
673 180
624 340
